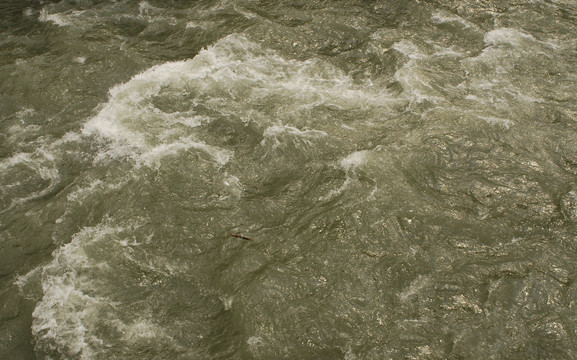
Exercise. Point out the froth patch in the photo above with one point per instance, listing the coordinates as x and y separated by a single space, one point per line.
56 19
414 76
506 123
442 18
60 19
78 298
69 305
278 134
507 36
349 163
166 110
153 157
142 330
354 160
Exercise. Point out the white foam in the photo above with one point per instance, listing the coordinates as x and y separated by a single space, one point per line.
56 19
413 76
507 36
144 8
61 19
28 12
29 284
191 121
440 17
68 138
255 341
81 193
233 184
25 113
62 317
524 97
141 132
409 49
497 121
447 52
415 287
281 131
153 157
354 160
350 163
193 25
336 192
233 78
227 302
67 317
141 330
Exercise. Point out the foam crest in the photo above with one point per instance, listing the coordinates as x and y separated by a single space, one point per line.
409 49
349 163
497 121
233 184
497 78
78 299
136 129
277 134
239 62
507 36
440 17
88 309
142 331
56 19
60 19
154 157
354 160
413 75
161 111
59 324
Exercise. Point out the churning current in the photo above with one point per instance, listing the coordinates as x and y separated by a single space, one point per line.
252 179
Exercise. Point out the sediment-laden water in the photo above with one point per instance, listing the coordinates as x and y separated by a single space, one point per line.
406 172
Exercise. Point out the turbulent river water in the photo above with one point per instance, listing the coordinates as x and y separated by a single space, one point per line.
406 172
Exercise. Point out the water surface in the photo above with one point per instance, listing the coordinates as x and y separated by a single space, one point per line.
406 170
